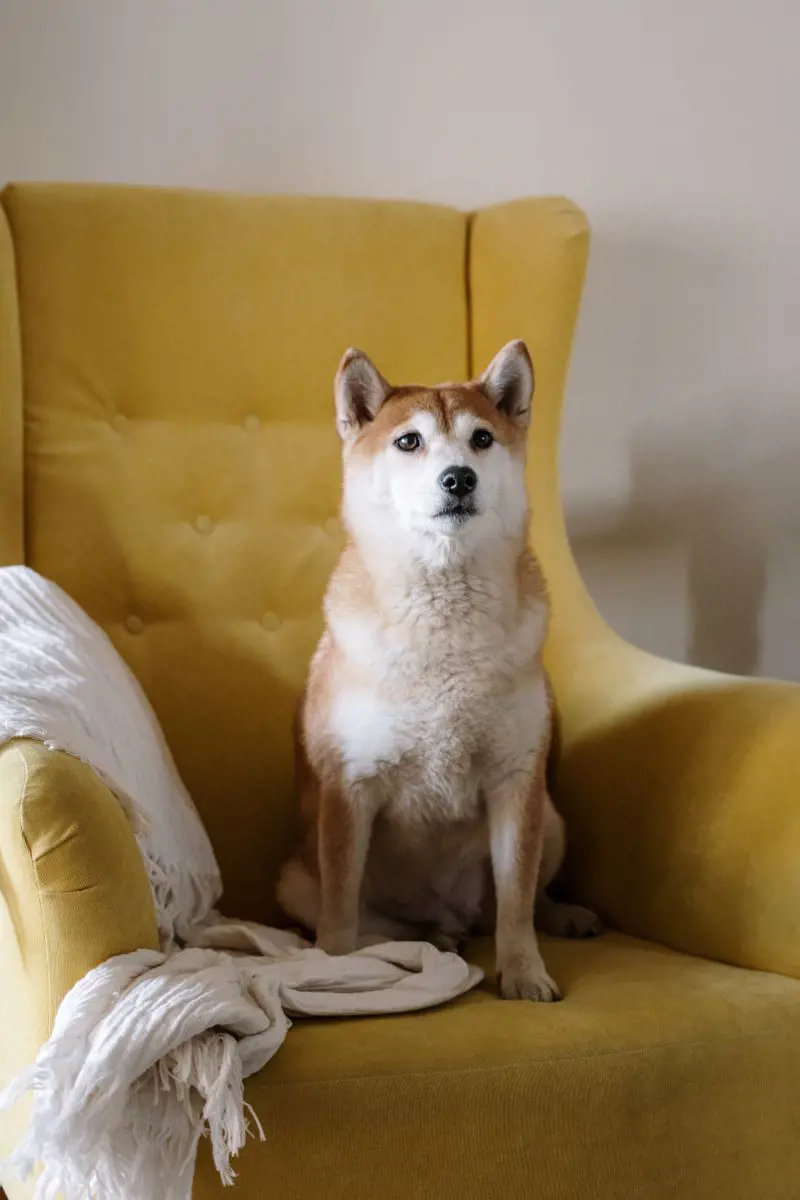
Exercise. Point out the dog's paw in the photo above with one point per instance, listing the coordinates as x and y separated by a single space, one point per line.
449 941
582 922
528 981
569 921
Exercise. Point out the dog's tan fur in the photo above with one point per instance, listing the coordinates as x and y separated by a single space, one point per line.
423 734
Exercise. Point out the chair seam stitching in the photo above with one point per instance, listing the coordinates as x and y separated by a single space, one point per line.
43 923
518 1066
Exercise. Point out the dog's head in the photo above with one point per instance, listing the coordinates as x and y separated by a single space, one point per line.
435 465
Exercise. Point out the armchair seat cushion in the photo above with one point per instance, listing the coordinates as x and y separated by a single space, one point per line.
658 1075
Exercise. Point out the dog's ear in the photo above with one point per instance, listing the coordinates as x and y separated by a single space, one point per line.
359 391
508 382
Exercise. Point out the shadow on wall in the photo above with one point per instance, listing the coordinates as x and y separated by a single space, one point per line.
701 484
678 475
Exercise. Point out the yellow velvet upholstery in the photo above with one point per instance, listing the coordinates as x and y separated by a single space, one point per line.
181 460
73 892
659 1076
171 355
11 461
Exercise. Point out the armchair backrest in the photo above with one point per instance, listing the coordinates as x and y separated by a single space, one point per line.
167 447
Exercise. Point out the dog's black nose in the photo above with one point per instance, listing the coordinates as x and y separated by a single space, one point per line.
458 481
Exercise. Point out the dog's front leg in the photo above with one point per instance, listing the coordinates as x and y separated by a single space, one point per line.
345 823
515 808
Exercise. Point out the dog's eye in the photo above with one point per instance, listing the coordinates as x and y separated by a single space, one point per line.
409 442
481 439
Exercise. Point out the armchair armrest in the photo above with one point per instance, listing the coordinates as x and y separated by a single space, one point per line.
681 790
73 892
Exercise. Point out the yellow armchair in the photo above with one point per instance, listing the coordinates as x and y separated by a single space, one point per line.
169 357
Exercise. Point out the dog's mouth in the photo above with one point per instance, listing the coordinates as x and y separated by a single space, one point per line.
458 511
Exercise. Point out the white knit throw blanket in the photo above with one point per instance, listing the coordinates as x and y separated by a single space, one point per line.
149 1050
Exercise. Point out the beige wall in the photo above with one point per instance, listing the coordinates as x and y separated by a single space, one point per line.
676 123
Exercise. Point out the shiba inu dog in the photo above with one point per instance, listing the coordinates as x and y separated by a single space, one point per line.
423 733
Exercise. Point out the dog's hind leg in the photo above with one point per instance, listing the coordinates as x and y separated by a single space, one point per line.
552 916
375 928
565 920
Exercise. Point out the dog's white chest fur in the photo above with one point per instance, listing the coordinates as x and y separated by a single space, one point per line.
439 697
